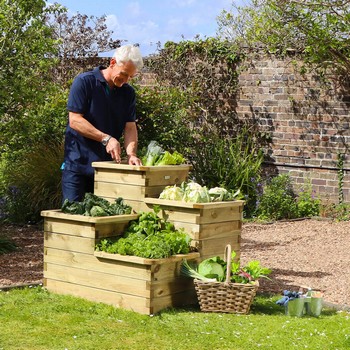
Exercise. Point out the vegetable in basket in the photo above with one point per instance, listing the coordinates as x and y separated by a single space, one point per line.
209 270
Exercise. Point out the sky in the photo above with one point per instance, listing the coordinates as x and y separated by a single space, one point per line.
147 22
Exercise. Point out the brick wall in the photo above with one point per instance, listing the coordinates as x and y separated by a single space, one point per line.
308 121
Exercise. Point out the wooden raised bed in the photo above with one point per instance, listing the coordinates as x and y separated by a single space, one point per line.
72 266
211 225
135 183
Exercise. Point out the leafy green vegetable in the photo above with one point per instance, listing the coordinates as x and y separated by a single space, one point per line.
156 155
149 237
220 194
93 205
172 193
194 192
214 269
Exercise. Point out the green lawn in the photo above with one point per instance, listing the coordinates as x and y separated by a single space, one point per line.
34 319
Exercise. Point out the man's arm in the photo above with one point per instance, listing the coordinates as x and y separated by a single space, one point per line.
86 129
130 143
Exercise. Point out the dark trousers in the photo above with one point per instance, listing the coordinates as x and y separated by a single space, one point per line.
75 185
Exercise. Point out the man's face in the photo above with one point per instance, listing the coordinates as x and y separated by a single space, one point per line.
122 74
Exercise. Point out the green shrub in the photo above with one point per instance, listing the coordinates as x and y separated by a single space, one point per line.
233 163
277 200
32 183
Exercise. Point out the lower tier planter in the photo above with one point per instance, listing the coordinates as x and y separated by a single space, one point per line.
72 266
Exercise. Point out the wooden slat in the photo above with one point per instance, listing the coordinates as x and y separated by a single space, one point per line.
119 300
115 166
181 204
216 247
216 230
100 280
106 189
69 243
145 261
121 177
90 262
69 227
57 213
197 216
162 177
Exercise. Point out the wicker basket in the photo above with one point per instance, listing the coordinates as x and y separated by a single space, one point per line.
225 296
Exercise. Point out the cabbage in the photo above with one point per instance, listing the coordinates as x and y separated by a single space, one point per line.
172 193
194 192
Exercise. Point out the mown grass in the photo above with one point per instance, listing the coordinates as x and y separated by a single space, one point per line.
34 319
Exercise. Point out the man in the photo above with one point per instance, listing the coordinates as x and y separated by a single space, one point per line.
101 108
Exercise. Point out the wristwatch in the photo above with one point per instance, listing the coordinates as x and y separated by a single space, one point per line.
105 140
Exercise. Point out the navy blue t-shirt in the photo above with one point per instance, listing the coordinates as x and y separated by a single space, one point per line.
106 109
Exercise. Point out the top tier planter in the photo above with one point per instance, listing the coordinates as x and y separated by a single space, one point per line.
135 183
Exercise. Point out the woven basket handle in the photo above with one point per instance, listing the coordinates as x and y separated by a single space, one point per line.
227 258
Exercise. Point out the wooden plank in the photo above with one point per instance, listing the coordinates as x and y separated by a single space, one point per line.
197 216
69 227
115 166
107 189
182 204
215 247
121 176
57 213
167 177
90 262
119 300
69 243
100 280
217 230
145 261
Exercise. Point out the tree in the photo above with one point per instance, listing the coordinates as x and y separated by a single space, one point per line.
318 29
81 40
26 45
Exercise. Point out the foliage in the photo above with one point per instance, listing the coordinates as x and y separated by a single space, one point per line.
214 269
278 200
65 322
157 156
7 245
162 116
93 205
26 48
33 183
149 237
81 39
316 28
194 192
206 71
233 163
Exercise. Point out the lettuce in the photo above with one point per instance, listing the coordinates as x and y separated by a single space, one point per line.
156 155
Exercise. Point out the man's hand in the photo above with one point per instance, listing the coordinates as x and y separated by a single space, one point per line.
133 160
114 149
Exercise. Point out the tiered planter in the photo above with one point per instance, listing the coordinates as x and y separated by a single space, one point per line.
135 183
71 266
211 225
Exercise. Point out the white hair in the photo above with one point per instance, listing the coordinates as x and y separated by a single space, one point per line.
128 53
